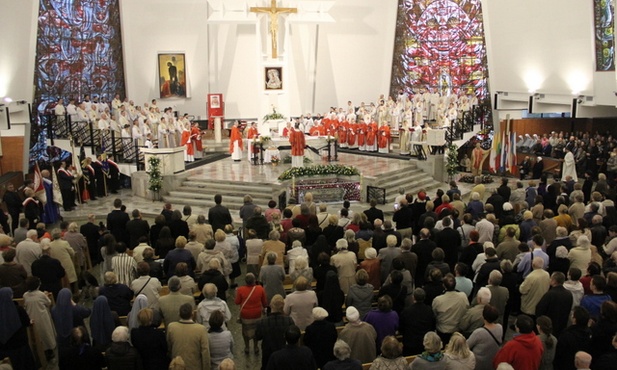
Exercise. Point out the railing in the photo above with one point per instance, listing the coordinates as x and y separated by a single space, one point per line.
122 150
478 115
379 194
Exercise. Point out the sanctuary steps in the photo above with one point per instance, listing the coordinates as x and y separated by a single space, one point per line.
198 191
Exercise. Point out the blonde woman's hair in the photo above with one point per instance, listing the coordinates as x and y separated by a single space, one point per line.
458 346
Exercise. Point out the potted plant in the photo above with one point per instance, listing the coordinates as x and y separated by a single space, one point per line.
275 160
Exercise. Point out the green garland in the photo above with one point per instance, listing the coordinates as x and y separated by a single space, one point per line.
319 170
156 180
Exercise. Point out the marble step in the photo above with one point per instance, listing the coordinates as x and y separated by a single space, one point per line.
224 188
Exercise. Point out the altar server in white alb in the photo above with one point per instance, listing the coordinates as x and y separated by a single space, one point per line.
569 166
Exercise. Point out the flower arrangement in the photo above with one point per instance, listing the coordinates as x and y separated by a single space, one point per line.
319 170
155 182
274 115
264 139
452 163
275 159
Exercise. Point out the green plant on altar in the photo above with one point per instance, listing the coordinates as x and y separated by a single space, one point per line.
275 159
155 182
274 115
287 160
265 139
319 170
452 162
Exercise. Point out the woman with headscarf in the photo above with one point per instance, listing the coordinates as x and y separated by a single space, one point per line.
320 271
331 298
67 315
37 306
150 341
102 323
320 337
13 332
140 302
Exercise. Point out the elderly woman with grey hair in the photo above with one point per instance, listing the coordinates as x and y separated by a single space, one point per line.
296 251
342 352
272 277
432 358
345 263
79 244
121 355
210 304
302 269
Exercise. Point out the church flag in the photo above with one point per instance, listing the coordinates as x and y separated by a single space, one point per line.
512 159
495 150
56 188
39 187
503 151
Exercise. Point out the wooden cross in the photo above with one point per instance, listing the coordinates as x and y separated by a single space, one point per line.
274 12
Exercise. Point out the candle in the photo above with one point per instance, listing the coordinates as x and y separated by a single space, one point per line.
293 185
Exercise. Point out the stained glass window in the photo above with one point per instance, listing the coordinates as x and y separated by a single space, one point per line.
79 51
604 35
439 48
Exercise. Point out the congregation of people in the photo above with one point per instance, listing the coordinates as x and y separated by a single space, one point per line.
434 287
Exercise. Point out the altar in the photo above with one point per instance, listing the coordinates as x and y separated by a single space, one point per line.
172 159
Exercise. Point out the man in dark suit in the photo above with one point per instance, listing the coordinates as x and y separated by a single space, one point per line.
258 223
219 216
116 222
49 270
136 228
90 231
449 240
373 213
294 355
13 205
424 250
404 219
556 303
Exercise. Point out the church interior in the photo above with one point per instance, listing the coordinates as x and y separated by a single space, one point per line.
351 101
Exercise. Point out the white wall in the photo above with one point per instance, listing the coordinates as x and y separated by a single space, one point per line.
18 22
546 46
353 62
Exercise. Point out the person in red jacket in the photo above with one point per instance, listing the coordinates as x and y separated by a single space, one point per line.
524 351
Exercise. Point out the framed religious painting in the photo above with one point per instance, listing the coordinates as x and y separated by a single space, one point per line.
273 78
172 75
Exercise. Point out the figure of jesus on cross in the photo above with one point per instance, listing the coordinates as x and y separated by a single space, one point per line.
274 12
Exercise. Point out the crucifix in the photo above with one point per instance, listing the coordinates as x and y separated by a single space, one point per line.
274 12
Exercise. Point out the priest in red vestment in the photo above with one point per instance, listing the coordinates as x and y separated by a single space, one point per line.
371 137
196 139
297 141
352 135
384 139
342 134
235 142
251 134
185 140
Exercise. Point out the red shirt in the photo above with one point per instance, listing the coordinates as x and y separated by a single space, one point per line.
255 302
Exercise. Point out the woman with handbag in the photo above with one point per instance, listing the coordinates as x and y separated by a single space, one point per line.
253 301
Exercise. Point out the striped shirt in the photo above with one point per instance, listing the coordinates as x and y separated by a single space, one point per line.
125 268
